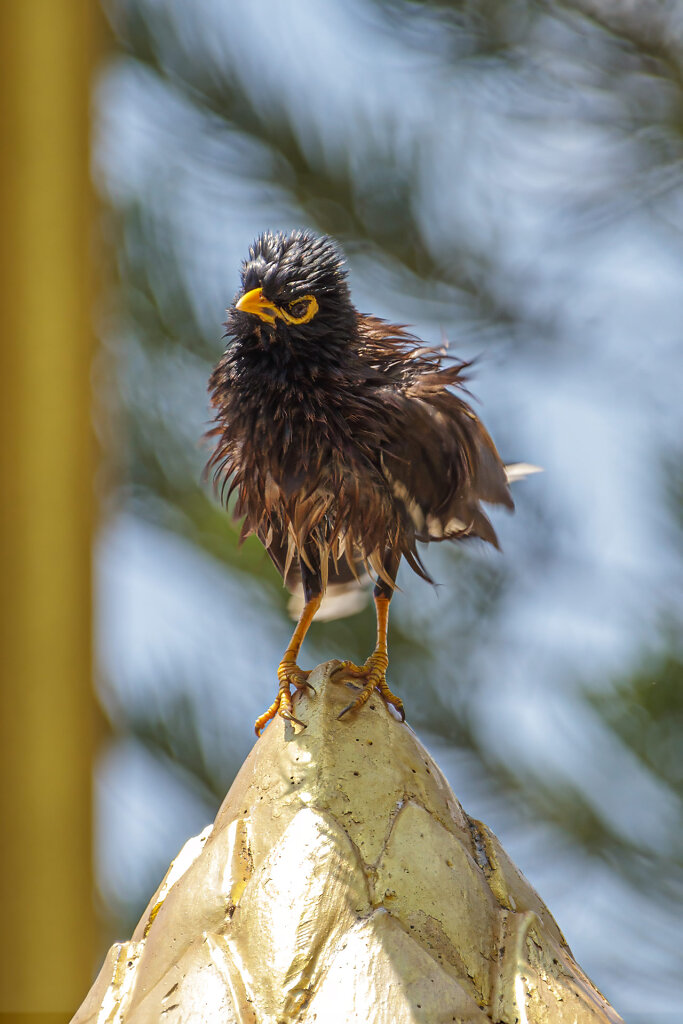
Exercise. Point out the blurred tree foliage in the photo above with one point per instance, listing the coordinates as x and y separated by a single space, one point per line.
613 72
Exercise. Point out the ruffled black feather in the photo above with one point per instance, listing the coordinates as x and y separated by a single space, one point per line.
345 436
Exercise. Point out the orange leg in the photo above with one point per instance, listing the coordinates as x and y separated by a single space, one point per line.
289 673
374 671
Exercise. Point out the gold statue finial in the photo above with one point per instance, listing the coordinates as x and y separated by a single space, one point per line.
342 881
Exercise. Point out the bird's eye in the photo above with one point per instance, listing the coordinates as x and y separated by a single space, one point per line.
300 311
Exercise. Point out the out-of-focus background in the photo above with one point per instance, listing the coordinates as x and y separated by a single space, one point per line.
504 175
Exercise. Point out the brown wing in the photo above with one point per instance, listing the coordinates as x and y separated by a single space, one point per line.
443 465
439 459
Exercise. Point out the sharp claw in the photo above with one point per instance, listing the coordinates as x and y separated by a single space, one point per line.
397 707
347 708
290 718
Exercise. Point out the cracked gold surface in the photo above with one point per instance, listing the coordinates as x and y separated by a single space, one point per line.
341 882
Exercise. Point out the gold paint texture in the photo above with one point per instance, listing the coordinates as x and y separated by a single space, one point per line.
341 882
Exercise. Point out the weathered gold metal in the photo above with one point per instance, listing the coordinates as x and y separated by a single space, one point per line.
343 882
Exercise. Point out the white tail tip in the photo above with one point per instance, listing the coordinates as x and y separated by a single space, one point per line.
520 470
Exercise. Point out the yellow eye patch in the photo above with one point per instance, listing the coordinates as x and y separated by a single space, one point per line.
300 311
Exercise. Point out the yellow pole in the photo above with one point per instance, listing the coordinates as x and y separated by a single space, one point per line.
47 939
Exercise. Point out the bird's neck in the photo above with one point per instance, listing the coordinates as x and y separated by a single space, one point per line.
309 377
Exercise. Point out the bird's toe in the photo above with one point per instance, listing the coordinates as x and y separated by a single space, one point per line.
289 674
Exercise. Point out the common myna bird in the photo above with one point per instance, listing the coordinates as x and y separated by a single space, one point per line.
345 440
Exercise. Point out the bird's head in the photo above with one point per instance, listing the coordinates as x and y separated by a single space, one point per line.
294 292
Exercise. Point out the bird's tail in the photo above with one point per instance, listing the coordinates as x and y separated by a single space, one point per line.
520 471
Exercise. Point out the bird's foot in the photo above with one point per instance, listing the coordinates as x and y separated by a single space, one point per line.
374 671
288 674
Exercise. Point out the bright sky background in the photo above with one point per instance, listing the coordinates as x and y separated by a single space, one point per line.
594 405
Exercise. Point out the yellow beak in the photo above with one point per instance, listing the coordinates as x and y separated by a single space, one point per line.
255 302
